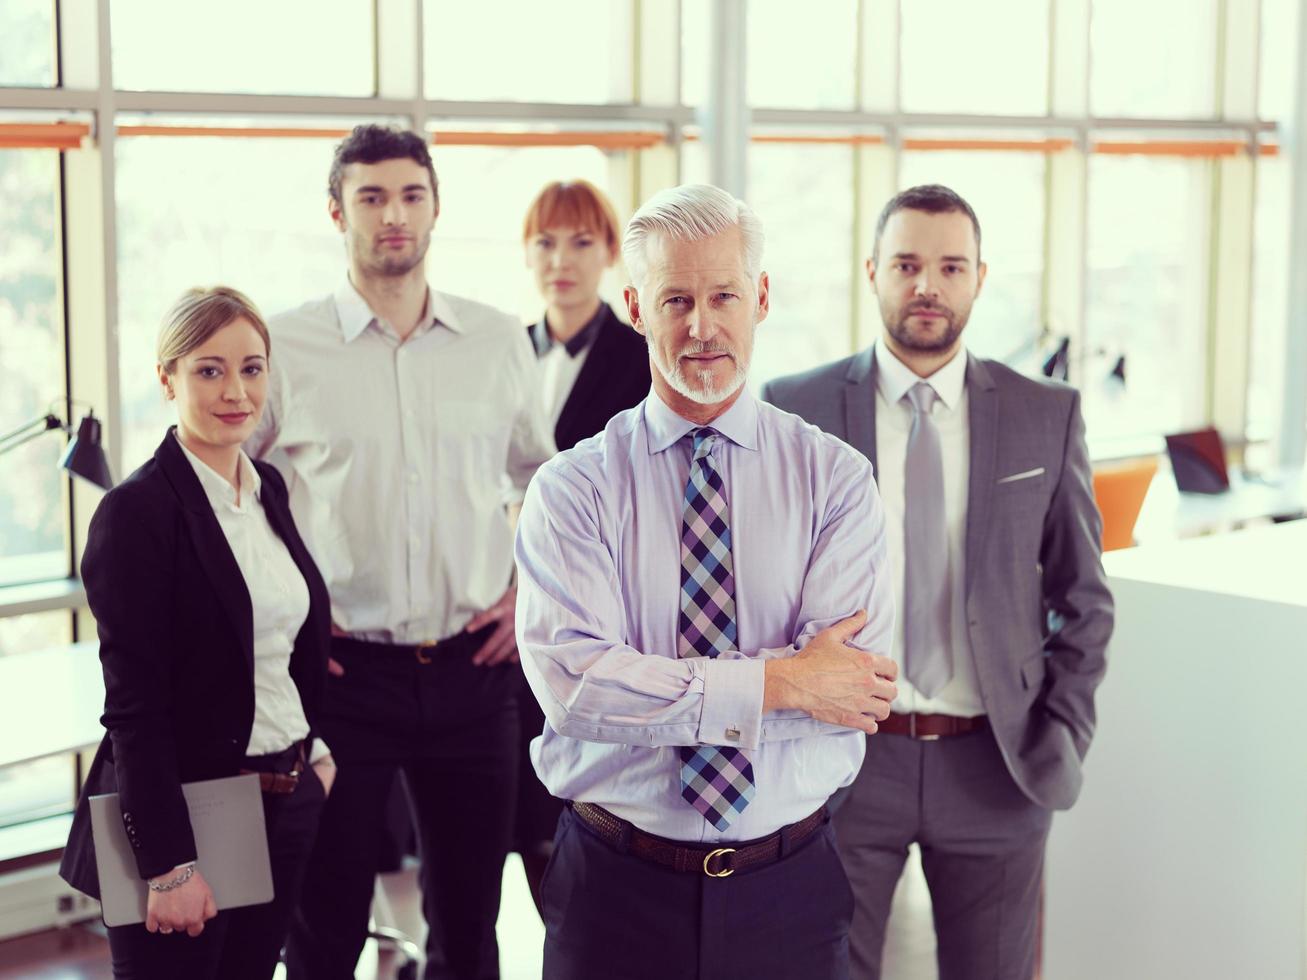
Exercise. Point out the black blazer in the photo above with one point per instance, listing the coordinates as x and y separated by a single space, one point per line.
614 377
177 648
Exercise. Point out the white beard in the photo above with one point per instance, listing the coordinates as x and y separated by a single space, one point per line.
705 392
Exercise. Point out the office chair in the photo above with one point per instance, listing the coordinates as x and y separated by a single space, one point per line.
1119 490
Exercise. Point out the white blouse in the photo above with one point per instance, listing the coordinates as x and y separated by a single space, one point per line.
280 600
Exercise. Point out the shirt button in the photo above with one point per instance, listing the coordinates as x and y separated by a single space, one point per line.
412 476
414 540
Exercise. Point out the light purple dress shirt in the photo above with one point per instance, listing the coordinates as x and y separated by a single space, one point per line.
599 581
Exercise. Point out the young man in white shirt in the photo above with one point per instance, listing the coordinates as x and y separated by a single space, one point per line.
399 415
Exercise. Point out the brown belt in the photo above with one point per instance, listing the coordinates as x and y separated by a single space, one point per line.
715 862
283 783
928 728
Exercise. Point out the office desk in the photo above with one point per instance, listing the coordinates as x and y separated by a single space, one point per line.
50 702
1186 855
1167 513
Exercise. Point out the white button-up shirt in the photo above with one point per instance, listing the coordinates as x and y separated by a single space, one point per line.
400 456
279 597
961 695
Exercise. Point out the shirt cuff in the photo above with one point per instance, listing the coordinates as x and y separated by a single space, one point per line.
732 703
318 751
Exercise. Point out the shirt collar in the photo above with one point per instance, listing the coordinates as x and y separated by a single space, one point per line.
665 428
215 486
894 378
356 316
544 341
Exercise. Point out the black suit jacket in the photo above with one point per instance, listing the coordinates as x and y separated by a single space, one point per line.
614 377
177 648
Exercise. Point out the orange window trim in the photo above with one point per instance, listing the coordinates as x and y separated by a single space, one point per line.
70 135
1028 146
43 136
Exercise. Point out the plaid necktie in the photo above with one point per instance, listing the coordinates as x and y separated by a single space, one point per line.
715 780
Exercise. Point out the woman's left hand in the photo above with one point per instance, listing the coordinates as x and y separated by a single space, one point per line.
325 769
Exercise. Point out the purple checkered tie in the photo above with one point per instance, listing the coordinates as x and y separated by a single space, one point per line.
715 780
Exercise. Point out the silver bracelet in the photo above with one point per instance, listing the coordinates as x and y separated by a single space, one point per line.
166 886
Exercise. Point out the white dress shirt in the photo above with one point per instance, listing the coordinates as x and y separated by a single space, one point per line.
280 600
559 370
961 695
400 456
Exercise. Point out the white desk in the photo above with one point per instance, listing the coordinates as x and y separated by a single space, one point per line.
1186 855
1167 513
50 702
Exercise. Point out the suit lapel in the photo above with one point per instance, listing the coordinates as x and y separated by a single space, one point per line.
593 375
211 547
860 406
982 409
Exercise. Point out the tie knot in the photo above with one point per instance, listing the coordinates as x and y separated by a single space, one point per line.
704 440
922 396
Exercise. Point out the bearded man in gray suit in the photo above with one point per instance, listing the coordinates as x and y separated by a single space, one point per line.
1004 611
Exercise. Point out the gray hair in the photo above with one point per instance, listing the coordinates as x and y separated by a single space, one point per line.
689 213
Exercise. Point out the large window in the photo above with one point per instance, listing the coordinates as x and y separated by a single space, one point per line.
948 62
300 47
1153 60
27 43
1270 299
1148 259
1279 65
33 507
201 211
35 631
795 61
521 50
809 257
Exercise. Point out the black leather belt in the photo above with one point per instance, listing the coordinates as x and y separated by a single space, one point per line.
423 653
715 862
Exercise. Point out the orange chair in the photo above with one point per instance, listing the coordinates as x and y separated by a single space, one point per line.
1119 489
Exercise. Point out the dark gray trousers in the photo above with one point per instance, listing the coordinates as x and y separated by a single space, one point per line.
982 850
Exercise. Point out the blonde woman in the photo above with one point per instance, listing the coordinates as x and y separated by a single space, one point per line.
214 627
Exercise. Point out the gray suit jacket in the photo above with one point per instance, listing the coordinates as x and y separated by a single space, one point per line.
1039 613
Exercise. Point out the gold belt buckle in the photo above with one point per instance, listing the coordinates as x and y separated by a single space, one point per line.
422 657
708 858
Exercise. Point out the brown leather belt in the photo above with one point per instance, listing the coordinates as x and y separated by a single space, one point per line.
928 728
715 862
283 783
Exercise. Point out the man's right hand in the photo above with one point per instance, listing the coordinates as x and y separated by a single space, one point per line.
183 909
834 682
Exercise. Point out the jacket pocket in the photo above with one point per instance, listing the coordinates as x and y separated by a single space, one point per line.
1032 672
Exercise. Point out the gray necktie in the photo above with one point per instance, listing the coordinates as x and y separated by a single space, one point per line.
928 662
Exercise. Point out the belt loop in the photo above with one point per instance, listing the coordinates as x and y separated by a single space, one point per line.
787 839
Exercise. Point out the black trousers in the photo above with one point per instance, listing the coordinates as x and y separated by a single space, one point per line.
243 943
613 916
451 727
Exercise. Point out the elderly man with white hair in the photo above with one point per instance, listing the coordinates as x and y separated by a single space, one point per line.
701 585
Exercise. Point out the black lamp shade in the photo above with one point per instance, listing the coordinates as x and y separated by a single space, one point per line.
84 456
